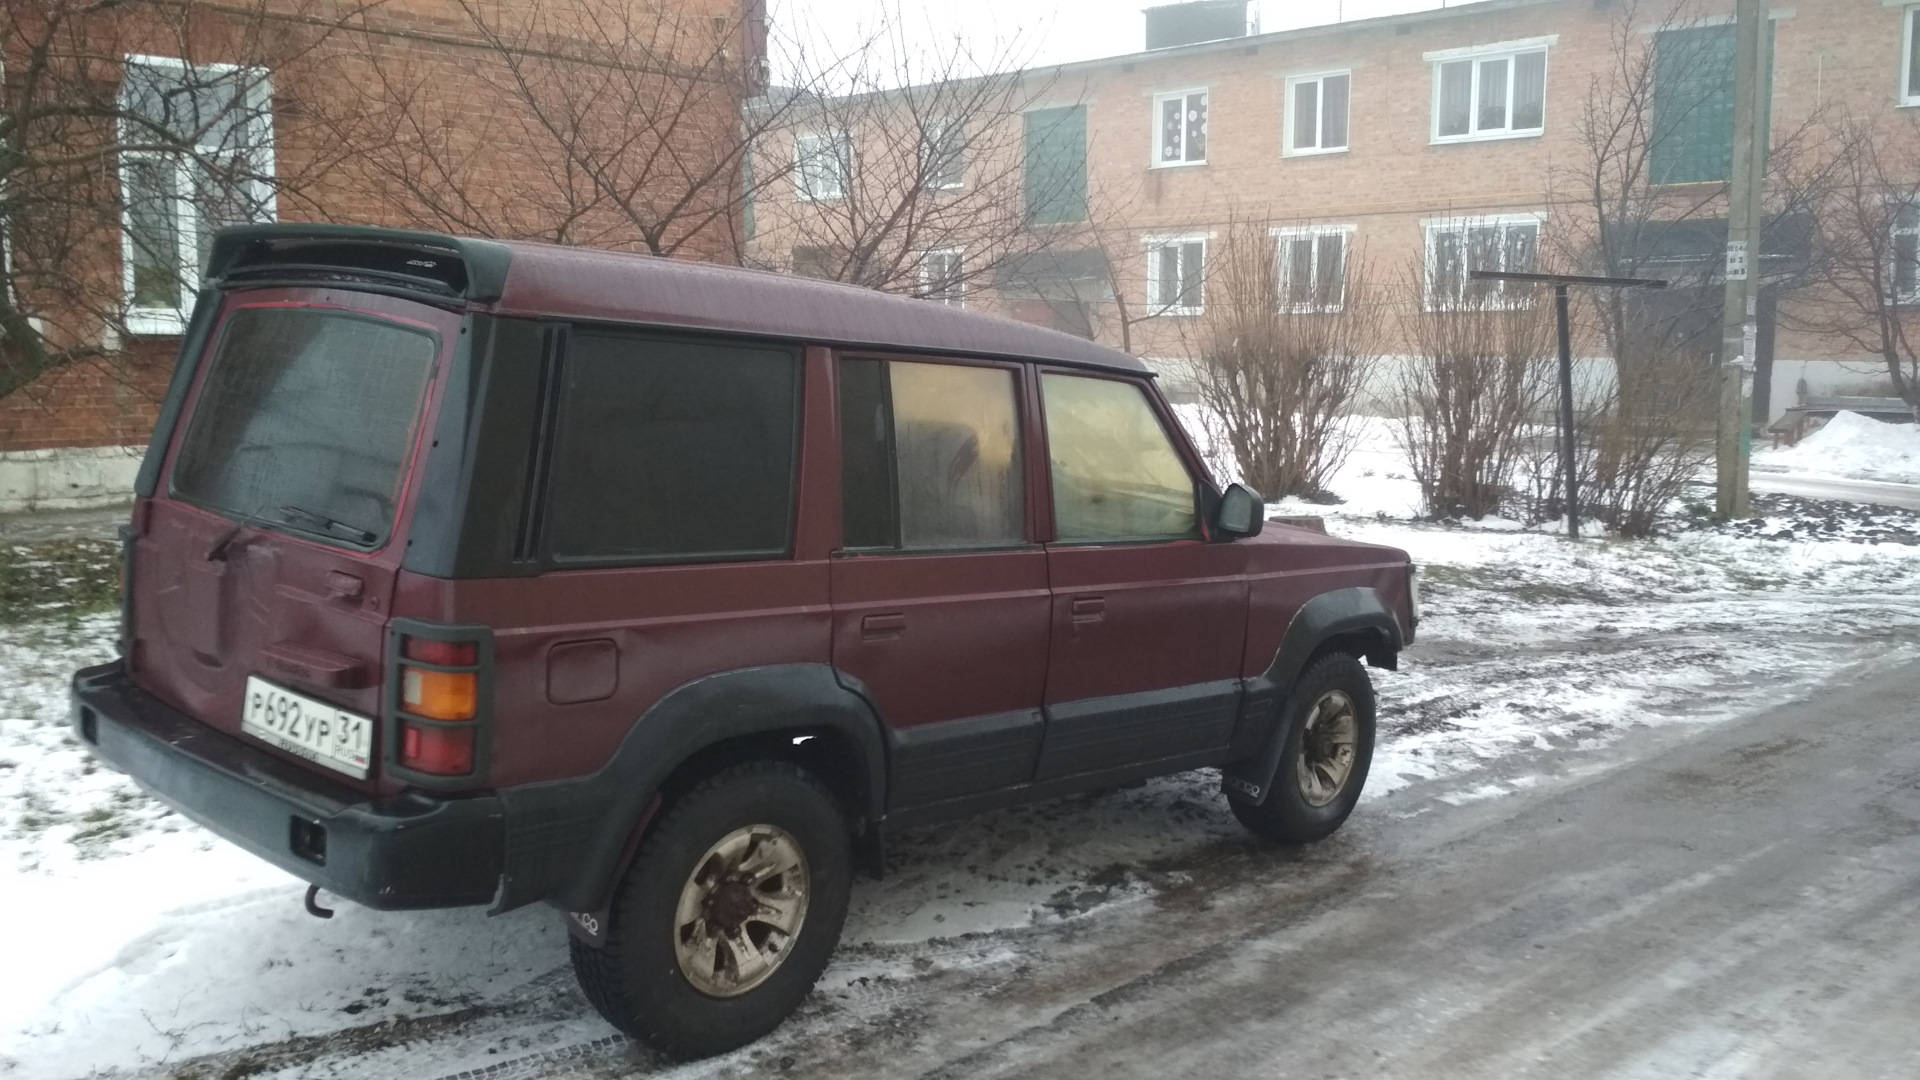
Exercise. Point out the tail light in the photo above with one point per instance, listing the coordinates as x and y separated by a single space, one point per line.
441 693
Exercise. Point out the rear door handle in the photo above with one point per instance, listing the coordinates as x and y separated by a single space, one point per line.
1087 609
883 627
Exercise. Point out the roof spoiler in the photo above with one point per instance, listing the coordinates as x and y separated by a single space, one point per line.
430 264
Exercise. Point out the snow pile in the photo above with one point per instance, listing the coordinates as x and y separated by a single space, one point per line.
1854 446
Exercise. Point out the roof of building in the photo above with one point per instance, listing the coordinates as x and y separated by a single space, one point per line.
549 280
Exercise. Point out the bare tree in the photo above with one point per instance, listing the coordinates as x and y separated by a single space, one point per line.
129 133
605 124
914 176
1869 293
1645 195
1282 349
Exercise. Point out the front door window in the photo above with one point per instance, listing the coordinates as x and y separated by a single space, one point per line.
1116 474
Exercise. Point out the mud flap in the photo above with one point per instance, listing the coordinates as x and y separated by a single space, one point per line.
588 927
1249 780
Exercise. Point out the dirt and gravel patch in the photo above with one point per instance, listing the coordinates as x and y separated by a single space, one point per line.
57 579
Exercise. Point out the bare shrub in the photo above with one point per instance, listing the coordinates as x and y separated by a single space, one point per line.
1280 358
1475 382
1654 434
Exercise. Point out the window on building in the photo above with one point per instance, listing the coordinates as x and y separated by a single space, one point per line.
1489 94
672 451
1056 165
823 165
1116 474
1691 141
1176 275
946 154
1456 247
1180 137
1317 113
1906 253
1313 269
212 166
1910 59
942 277
930 456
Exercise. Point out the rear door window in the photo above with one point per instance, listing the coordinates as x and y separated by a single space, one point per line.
672 451
306 421
930 456
1116 474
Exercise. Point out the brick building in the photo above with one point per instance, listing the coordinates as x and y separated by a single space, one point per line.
1415 145
438 114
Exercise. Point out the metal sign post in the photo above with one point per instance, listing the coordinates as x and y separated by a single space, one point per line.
1569 456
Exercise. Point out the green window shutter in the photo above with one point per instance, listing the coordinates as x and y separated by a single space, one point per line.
1056 165
1692 134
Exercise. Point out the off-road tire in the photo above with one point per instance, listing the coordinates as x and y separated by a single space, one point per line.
635 979
1287 815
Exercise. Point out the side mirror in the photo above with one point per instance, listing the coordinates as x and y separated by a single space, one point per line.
1241 512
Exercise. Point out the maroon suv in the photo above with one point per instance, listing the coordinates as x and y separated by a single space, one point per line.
466 572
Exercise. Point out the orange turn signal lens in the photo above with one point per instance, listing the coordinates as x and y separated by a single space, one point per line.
440 695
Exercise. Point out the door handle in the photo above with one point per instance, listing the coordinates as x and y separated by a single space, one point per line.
1087 609
886 627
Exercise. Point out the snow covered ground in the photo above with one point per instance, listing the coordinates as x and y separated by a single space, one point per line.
1853 446
136 944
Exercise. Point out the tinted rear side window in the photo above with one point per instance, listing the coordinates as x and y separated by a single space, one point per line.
930 456
673 451
307 416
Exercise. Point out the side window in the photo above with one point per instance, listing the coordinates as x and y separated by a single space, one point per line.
1116 475
672 451
930 456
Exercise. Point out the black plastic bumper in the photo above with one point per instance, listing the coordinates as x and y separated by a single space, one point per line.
411 851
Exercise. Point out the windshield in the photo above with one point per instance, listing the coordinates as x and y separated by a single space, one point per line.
305 421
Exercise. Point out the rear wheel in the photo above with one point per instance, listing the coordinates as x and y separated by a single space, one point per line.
728 914
1323 766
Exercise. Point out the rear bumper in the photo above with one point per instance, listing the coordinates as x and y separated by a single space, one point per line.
410 851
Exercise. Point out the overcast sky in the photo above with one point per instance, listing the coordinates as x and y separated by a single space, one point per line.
1049 31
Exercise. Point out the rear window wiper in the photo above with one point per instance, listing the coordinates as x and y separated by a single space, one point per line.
337 528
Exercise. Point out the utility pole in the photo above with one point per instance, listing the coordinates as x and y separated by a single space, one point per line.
1739 326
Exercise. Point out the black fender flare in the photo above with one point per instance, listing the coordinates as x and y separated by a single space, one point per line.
567 840
1325 617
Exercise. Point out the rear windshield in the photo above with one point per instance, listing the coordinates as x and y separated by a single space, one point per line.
305 420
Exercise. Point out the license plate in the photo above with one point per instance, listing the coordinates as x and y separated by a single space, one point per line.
312 729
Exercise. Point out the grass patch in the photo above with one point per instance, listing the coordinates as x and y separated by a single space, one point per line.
55 578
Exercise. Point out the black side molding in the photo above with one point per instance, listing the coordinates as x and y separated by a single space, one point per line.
1359 613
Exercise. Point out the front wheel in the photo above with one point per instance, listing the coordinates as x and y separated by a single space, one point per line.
728 914
1323 766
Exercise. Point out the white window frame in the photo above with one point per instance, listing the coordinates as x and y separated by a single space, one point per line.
840 145
938 132
954 292
1432 227
1159 132
1318 234
1480 54
1154 245
1904 94
1287 149
1896 230
186 216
